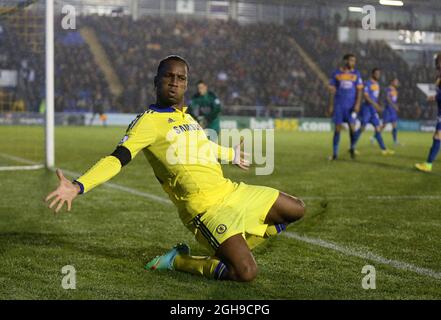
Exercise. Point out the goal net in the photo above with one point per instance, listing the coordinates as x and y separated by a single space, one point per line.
22 84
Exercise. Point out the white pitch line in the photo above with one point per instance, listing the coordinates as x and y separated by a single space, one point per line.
76 174
165 200
375 197
364 255
32 165
406 197
17 168
314 241
18 159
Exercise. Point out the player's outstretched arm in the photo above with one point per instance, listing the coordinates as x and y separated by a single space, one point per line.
240 157
231 155
139 135
66 192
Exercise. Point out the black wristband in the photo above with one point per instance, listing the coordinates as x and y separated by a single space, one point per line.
81 186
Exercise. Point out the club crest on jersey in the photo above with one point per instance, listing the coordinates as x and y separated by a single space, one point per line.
221 228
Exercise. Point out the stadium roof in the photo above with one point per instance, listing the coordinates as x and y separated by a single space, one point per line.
417 4
425 5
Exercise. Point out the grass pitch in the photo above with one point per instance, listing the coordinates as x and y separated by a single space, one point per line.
374 205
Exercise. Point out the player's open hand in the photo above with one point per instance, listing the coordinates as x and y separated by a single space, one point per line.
66 192
240 157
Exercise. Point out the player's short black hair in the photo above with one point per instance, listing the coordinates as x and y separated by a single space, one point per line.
375 70
172 58
200 82
348 55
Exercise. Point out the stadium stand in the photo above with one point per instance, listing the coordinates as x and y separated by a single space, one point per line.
259 66
78 80
16 54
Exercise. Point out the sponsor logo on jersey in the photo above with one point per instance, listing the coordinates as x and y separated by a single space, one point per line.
187 127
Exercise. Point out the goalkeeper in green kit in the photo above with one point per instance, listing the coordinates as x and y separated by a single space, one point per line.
205 108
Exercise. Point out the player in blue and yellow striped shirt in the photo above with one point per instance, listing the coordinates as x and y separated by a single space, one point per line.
228 218
370 109
345 88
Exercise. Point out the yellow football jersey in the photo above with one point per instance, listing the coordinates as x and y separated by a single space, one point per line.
183 159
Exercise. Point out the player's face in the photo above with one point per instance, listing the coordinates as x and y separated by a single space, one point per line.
171 83
376 75
396 83
350 62
202 89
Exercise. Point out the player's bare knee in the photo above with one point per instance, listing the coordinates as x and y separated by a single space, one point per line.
301 207
246 272
298 208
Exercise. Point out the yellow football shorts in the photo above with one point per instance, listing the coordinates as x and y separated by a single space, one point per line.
243 211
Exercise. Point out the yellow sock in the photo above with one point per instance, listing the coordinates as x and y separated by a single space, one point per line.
209 267
272 230
253 241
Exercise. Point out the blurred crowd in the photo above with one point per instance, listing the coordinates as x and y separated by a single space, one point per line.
252 65
21 73
79 83
248 65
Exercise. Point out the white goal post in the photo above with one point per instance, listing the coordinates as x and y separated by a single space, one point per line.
49 57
